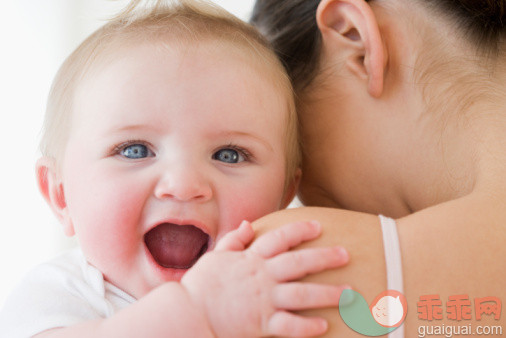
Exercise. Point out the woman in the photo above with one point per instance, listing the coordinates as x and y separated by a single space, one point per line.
402 113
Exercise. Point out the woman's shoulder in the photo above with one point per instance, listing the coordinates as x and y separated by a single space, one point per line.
330 218
359 233
448 251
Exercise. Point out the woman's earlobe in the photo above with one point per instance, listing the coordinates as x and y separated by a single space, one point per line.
350 31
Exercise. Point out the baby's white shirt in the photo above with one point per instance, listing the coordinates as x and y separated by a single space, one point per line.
62 292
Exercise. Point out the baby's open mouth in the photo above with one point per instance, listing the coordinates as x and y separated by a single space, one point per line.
176 246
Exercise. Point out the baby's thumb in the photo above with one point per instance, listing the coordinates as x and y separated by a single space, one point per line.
237 239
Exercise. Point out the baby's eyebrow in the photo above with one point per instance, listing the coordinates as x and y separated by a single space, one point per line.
245 134
131 127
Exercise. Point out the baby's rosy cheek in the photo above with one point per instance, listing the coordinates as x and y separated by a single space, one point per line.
113 209
250 210
124 209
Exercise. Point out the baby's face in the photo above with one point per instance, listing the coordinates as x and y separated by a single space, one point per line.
169 150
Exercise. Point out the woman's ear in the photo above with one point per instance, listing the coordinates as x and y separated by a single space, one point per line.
291 189
51 188
349 30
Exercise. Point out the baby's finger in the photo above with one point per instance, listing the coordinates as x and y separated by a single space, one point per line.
299 263
237 239
287 324
286 237
303 296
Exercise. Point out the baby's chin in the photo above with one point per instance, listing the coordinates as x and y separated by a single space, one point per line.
140 288
140 282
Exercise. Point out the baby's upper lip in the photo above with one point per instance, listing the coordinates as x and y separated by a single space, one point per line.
181 221
186 221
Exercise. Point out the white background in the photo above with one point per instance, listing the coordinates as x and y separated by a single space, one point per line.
35 37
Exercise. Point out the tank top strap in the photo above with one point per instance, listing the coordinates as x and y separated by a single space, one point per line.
393 262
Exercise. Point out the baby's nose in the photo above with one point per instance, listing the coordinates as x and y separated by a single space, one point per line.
184 185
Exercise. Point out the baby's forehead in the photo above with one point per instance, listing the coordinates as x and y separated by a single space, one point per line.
262 60
197 53
211 67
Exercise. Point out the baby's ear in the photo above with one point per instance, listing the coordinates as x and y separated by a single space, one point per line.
291 189
51 188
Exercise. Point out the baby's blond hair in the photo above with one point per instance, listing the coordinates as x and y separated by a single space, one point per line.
175 22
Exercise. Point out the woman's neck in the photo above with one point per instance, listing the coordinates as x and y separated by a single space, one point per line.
472 157
491 152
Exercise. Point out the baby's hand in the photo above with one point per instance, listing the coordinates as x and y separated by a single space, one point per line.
248 293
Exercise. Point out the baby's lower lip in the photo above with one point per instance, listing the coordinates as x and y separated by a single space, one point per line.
173 275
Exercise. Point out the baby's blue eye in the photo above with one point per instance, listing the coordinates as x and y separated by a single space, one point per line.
136 151
228 155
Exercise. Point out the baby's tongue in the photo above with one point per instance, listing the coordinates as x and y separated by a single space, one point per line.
176 246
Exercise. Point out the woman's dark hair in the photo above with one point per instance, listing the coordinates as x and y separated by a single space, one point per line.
483 21
290 26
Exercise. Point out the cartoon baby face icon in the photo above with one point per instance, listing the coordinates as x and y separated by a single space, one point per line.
389 308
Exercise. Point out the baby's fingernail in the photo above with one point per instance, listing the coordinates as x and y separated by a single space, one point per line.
347 295
323 325
342 253
315 224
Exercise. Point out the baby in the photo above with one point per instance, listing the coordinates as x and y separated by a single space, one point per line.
166 129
